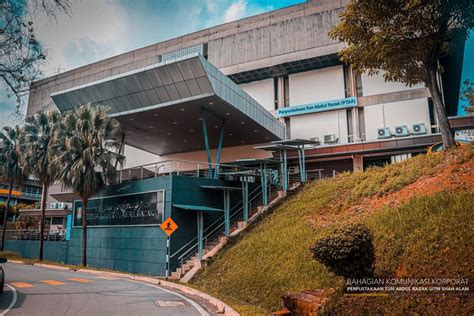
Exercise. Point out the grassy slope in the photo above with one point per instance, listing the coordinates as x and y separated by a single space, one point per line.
423 236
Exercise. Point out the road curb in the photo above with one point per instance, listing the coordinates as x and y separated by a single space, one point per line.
221 306
52 266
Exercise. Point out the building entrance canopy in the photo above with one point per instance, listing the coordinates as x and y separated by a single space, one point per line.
161 108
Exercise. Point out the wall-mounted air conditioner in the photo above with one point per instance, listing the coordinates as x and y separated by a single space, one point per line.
294 169
54 205
401 131
329 139
61 205
315 139
419 129
383 133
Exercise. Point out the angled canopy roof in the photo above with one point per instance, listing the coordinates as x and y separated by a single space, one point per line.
200 208
159 107
220 187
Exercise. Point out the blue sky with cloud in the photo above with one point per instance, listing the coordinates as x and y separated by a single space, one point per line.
98 29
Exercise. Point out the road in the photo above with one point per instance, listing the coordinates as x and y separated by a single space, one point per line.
32 290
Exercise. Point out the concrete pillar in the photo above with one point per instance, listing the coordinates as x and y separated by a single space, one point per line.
200 229
227 212
358 163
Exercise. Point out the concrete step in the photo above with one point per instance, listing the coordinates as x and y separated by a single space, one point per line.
187 266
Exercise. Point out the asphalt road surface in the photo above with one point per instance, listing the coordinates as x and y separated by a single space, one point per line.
31 290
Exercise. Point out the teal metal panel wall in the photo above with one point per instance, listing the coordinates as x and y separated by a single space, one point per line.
137 249
56 251
131 249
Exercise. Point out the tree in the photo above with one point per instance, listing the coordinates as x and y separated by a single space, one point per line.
86 154
406 39
10 166
21 54
38 136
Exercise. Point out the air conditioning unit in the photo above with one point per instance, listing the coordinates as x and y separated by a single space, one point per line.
419 129
61 205
331 138
401 131
54 205
294 169
383 133
315 139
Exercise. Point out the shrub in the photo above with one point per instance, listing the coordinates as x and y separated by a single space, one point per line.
348 252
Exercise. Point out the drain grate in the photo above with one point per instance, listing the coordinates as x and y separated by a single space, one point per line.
160 303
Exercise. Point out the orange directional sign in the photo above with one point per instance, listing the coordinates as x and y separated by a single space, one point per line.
169 226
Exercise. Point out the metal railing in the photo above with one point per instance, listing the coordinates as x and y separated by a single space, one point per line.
217 229
29 234
184 168
210 234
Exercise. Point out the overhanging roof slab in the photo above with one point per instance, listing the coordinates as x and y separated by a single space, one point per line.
159 107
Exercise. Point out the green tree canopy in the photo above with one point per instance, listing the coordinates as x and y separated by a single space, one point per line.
10 165
86 151
38 139
405 38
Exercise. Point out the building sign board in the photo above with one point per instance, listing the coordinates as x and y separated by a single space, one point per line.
128 209
317 107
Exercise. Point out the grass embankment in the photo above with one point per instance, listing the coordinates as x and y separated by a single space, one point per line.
419 212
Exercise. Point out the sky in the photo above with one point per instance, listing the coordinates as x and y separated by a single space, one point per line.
98 29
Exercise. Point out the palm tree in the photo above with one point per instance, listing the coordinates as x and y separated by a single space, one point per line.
38 135
10 166
85 154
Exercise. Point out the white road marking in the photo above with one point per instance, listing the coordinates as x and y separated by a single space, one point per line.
168 303
190 301
13 302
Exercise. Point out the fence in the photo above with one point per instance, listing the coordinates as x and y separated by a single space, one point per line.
50 235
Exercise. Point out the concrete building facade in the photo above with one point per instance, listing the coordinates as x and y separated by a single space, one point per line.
265 90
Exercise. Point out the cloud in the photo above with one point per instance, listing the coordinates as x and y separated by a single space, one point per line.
86 50
98 20
99 29
235 11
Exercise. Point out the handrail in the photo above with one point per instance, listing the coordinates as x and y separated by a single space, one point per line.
213 164
217 228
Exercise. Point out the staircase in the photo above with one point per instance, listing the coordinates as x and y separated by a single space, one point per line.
214 237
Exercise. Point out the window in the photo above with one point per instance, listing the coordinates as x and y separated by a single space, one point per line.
361 123
275 93
350 129
358 79
286 91
347 81
57 221
160 204
281 91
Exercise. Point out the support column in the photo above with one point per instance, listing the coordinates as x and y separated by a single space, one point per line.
206 142
285 171
303 165
219 147
200 229
264 182
227 212
245 199
358 163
